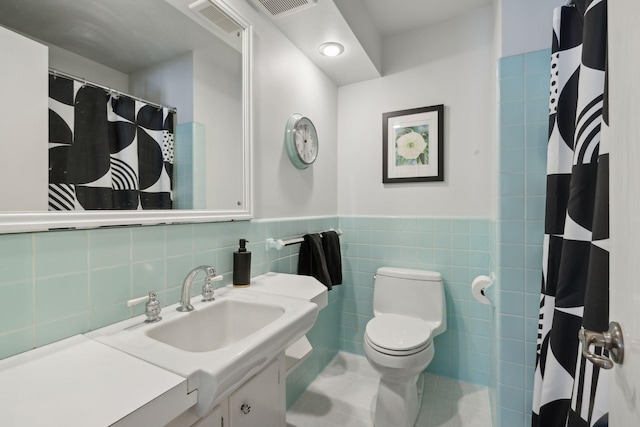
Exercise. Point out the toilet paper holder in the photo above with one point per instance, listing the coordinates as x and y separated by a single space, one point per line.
479 286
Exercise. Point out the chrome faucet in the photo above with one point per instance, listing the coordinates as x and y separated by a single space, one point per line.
185 304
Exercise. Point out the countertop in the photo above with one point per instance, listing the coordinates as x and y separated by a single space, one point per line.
292 286
81 382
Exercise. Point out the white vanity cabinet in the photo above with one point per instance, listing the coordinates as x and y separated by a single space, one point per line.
214 419
260 402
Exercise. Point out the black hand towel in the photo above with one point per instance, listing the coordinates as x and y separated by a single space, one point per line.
331 248
311 261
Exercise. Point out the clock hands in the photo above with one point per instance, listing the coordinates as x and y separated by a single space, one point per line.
301 141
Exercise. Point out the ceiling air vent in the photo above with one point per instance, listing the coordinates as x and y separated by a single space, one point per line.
213 14
279 8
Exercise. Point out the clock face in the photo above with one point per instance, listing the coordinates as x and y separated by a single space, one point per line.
301 141
306 141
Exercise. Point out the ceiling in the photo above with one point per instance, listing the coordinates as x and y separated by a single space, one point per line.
397 16
361 26
122 34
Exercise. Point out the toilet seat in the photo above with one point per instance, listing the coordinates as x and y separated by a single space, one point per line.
398 335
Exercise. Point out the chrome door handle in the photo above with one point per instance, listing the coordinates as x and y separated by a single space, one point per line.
611 340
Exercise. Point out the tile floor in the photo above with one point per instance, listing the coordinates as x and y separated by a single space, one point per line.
344 394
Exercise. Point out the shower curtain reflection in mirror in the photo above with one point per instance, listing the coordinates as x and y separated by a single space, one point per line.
107 150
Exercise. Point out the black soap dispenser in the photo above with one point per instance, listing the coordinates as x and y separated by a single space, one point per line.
242 266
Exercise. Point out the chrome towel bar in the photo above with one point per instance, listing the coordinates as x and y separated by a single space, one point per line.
278 244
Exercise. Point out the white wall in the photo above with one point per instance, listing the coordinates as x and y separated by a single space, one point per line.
448 63
525 25
25 131
79 66
361 22
168 83
218 105
205 86
497 49
286 82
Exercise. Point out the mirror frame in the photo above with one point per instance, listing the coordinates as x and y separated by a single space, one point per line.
20 222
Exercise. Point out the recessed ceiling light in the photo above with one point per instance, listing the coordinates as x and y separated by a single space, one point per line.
331 49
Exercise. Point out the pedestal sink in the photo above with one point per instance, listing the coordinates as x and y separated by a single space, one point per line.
220 344
215 326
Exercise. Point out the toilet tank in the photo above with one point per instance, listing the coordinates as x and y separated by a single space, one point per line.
417 293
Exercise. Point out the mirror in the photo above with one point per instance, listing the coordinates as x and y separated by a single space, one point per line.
189 55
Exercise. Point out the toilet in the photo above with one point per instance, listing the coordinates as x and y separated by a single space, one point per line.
409 310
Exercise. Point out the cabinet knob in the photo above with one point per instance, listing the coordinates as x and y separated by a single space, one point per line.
245 408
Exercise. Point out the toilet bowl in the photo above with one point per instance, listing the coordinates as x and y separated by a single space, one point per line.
398 341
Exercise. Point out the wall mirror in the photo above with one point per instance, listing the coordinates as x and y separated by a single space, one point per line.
174 77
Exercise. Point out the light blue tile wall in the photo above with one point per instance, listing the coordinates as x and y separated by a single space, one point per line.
199 164
323 336
325 342
456 247
190 166
523 82
493 334
58 284
183 166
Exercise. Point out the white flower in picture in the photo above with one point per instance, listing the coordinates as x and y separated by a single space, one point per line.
410 145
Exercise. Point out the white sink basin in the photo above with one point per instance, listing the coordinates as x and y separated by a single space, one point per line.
215 326
220 344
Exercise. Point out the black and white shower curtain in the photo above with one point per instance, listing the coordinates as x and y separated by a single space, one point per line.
107 151
568 389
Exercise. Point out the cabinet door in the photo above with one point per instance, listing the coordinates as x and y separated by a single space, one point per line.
214 419
260 401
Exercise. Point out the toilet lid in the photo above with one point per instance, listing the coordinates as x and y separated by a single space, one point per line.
398 333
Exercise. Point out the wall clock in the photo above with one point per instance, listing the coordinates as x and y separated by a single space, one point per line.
301 141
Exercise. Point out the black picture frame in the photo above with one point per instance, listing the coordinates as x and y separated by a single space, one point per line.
413 145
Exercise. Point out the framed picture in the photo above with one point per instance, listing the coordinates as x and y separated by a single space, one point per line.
413 145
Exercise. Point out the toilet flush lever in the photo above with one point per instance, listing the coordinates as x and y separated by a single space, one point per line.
611 340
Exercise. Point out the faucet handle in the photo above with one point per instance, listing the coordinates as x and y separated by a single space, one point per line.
152 307
185 305
207 288
137 301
